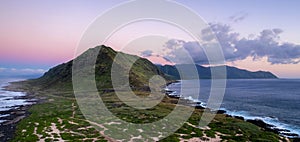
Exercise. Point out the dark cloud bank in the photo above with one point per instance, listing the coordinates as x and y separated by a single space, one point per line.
265 44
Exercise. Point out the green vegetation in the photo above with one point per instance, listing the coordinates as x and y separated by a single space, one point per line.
56 118
60 77
59 118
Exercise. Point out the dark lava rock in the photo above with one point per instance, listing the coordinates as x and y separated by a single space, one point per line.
199 107
221 112
260 123
239 117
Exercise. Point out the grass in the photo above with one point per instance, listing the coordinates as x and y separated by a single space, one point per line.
56 110
61 111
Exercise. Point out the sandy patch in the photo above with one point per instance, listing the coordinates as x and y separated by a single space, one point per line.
60 121
38 135
74 123
102 132
112 123
73 108
135 138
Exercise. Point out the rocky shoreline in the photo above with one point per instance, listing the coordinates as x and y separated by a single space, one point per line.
16 114
268 127
13 116
257 122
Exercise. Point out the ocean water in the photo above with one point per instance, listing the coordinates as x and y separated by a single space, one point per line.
275 101
10 100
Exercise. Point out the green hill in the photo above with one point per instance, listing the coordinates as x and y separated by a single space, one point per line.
60 77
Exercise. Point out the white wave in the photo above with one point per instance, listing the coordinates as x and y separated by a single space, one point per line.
5 115
269 120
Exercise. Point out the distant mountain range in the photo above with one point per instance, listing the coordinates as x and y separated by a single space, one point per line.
140 72
205 72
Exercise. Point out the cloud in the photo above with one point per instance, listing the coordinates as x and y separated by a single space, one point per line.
238 17
147 53
9 72
2 69
265 44
28 70
181 52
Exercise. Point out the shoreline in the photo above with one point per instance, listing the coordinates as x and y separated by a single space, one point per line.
8 128
14 115
266 126
285 132
258 122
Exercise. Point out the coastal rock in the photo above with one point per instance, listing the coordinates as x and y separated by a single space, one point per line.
199 107
291 135
221 112
239 117
260 123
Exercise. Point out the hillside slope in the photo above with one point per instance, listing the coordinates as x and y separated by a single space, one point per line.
60 77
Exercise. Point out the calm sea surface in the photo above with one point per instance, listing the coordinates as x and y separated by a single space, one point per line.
275 101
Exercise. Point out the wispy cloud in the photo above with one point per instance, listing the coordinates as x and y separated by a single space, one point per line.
2 69
21 72
240 16
265 44
147 53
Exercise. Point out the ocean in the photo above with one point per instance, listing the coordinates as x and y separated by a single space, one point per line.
10 100
275 101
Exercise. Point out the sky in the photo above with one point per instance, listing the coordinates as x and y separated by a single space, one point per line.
37 35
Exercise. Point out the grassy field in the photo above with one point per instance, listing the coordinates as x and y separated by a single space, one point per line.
57 117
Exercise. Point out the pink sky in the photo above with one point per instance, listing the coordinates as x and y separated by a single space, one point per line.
47 32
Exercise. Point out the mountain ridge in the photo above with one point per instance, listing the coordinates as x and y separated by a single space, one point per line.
205 72
141 70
